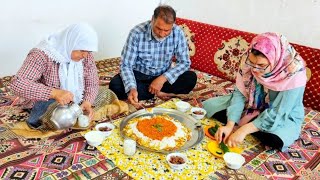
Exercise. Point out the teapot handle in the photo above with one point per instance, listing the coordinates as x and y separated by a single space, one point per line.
75 107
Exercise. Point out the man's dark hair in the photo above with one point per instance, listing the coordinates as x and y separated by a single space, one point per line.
165 12
257 52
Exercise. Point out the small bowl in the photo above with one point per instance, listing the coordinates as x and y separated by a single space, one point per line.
183 106
105 128
83 121
198 113
177 166
94 138
233 160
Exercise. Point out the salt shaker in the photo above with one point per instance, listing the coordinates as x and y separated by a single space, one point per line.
129 147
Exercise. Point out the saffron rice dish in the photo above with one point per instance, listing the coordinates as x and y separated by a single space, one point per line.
159 132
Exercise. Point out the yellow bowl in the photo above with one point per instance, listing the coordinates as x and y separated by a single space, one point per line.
213 147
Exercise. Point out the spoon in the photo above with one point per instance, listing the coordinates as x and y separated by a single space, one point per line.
147 109
198 125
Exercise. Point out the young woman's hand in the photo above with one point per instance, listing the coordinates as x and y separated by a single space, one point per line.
224 132
236 138
86 107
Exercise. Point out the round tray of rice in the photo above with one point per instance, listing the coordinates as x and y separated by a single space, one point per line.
162 130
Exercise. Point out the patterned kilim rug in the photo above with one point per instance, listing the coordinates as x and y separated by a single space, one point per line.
67 156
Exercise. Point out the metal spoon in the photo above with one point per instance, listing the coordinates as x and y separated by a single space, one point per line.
198 125
142 106
148 112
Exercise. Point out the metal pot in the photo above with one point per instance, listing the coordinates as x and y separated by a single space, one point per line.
65 116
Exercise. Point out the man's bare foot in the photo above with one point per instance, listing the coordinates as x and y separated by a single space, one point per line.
164 95
167 96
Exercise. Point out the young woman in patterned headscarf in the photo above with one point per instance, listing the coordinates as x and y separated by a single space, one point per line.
268 99
60 68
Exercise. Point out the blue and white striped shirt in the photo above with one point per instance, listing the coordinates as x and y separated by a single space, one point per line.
143 53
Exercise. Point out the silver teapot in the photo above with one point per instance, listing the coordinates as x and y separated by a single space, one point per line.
65 116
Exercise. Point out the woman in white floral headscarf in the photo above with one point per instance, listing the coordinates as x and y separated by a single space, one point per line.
60 68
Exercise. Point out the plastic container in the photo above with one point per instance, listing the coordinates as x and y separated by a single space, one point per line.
129 147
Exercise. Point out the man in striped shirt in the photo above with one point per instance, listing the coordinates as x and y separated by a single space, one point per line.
145 69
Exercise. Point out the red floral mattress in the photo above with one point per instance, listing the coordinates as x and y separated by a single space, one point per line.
216 50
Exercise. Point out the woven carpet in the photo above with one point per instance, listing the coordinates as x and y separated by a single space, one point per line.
67 156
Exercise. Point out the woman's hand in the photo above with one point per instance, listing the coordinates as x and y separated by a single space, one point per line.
87 109
238 136
63 97
224 131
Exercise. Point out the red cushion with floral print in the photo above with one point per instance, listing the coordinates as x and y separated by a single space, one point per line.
209 39
218 50
312 92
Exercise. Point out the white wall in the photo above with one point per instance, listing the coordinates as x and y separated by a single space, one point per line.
299 20
23 23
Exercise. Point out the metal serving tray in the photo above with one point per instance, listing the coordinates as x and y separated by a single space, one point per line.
185 119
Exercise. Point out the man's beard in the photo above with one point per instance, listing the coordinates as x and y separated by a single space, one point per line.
157 38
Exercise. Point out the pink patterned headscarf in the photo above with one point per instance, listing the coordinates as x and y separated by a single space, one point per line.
287 67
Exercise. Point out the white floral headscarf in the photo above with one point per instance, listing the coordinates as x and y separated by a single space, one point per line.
59 47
